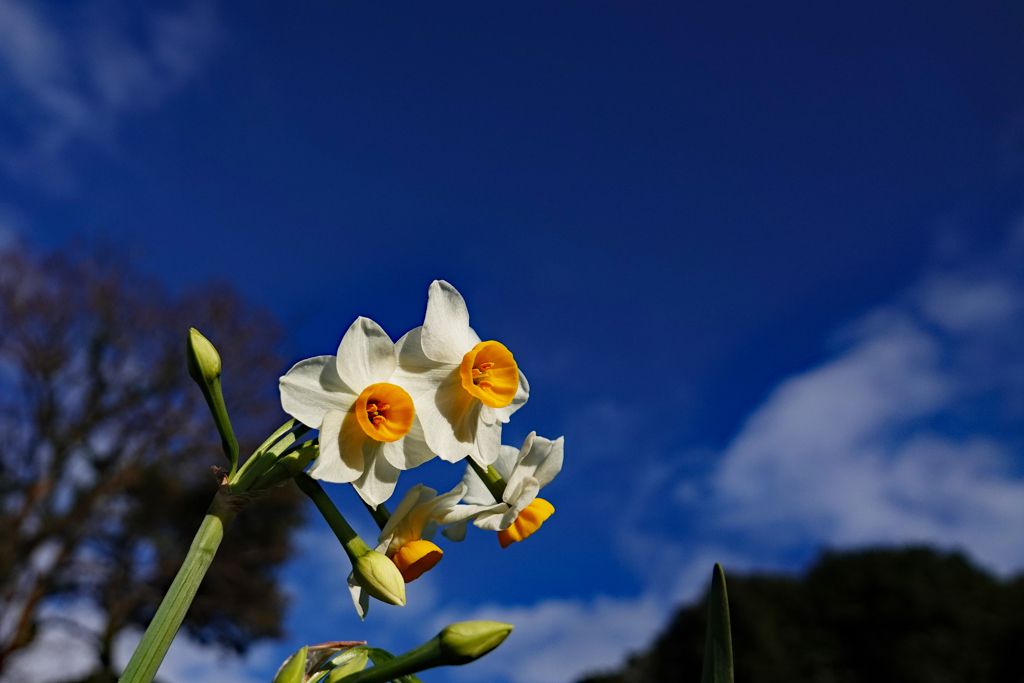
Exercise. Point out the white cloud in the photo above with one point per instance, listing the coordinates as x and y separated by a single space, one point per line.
873 447
70 73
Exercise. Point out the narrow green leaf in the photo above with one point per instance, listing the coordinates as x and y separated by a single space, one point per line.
718 646
292 671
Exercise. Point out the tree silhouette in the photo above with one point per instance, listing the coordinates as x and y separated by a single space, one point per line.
900 616
106 448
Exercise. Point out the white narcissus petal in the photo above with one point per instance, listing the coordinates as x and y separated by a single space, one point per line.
411 450
360 598
522 395
491 520
449 417
487 446
456 532
341 453
552 462
535 449
409 501
416 373
379 477
311 388
528 490
477 492
447 336
366 355
507 458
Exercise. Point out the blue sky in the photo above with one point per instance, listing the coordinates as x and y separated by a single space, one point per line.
761 265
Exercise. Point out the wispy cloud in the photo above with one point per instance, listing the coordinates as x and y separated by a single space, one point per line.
70 73
902 436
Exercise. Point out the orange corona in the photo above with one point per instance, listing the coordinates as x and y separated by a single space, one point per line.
384 411
528 521
489 372
416 557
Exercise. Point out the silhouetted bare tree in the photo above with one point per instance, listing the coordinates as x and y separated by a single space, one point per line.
106 448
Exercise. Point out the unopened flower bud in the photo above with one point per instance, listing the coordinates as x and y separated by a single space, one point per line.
293 670
468 640
202 358
379 577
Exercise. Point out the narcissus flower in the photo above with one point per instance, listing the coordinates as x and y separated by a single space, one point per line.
464 388
369 429
406 537
519 512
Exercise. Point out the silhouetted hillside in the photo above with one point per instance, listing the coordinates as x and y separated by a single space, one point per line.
910 615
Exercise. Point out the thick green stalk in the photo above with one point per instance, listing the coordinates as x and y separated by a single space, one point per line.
161 631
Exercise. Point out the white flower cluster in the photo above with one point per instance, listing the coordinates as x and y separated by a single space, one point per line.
383 407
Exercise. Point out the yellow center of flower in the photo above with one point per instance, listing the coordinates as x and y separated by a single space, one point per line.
384 411
416 557
489 372
528 521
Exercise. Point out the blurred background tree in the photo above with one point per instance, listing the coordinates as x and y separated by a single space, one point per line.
901 616
106 448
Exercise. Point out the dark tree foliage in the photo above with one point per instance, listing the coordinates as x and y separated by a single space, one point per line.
901 616
106 447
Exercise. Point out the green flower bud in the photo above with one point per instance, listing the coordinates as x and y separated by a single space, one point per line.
468 640
380 577
293 670
202 358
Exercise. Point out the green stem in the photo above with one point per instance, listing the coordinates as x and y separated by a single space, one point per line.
492 480
215 399
263 459
354 546
380 514
426 656
161 631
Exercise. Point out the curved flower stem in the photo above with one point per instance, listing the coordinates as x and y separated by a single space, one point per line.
380 514
161 631
354 546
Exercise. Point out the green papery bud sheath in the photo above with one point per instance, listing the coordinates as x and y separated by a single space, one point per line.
204 367
459 643
350 664
380 577
294 669
289 465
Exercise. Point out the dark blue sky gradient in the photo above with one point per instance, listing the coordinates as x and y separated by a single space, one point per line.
661 208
